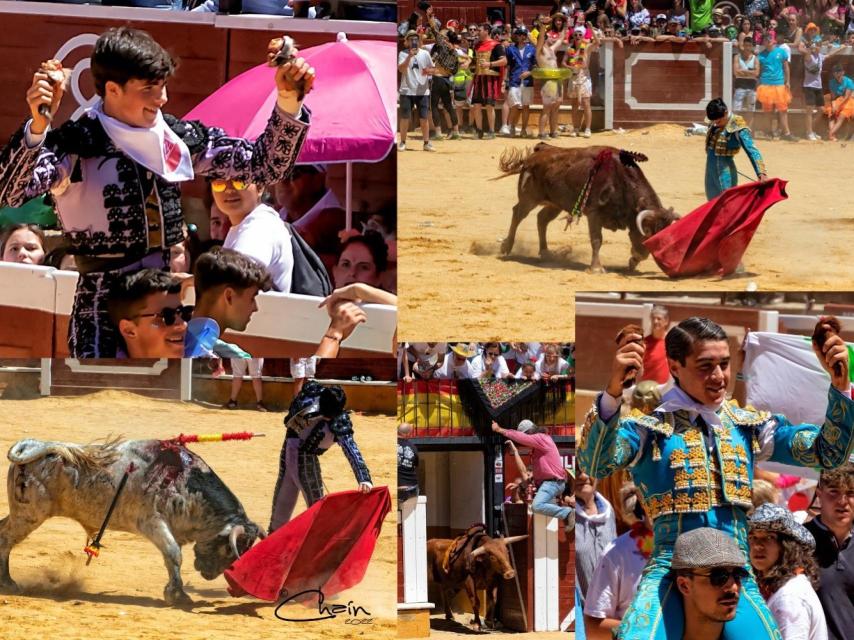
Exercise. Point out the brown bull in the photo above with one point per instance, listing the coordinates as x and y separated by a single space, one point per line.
474 561
620 197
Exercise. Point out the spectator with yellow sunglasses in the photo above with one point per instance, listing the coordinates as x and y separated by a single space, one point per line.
256 229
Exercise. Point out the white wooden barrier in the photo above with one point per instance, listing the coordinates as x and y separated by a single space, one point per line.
36 302
413 517
546 576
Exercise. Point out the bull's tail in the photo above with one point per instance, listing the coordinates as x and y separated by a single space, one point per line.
83 456
511 162
631 158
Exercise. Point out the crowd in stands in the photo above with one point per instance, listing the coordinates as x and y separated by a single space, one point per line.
450 67
496 360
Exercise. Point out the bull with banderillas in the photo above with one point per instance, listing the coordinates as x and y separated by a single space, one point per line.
164 492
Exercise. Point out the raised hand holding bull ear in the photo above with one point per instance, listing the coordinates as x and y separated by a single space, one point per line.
629 356
294 76
832 352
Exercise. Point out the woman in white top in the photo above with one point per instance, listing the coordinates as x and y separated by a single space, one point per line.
782 554
550 365
256 229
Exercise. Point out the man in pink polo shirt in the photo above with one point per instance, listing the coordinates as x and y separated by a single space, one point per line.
549 473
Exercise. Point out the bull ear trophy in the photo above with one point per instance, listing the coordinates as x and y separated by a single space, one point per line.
641 217
236 532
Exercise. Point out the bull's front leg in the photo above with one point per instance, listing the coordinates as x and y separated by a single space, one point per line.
595 230
471 592
520 212
544 217
491 599
161 536
639 252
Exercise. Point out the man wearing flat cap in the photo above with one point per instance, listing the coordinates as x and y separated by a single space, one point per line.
709 569
693 459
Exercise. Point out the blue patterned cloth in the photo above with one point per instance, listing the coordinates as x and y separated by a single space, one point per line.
692 475
722 144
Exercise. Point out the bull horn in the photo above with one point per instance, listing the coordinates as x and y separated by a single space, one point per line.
643 215
236 532
478 552
513 539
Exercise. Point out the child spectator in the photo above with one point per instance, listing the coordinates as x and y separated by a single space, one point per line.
746 71
22 243
781 552
842 103
813 94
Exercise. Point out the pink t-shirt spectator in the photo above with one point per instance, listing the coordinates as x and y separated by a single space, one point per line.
547 464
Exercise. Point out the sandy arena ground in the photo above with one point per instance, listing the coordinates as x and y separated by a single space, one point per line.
452 219
120 595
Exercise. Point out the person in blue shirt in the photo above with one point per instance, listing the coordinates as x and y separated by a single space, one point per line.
728 134
842 100
521 59
774 91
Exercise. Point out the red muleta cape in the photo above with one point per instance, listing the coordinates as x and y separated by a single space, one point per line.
713 238
326 547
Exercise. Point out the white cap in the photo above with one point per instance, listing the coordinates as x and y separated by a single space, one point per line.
525 426
580 30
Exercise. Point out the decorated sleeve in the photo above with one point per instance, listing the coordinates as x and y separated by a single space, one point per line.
354 457
808 445
268 160
608 446
746 141
27 172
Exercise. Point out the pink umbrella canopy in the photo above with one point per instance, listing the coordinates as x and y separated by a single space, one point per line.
352 103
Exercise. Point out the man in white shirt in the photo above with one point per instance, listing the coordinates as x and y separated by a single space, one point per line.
415 66
456 363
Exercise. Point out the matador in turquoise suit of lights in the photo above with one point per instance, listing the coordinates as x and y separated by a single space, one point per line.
693 460
727 135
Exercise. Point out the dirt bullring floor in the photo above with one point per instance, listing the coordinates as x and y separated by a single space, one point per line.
452 219
120 594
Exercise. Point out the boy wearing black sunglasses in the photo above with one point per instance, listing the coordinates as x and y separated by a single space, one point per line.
146 309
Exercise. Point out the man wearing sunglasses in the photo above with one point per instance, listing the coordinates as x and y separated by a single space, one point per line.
693 458
709 569
146 309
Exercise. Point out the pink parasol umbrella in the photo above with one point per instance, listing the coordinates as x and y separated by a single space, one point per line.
352 104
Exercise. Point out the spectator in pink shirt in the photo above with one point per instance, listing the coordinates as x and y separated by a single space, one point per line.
548 470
